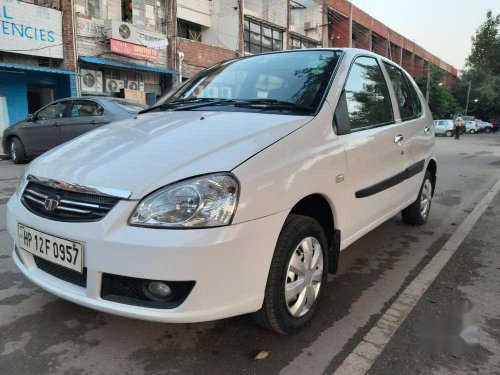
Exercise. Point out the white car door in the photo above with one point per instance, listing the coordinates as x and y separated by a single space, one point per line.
416 127
376 148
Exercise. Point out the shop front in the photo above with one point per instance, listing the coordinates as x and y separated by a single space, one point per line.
31 60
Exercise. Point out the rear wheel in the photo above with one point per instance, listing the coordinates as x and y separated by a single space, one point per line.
472 131
449 133
17 153
487 129
296 276
418 212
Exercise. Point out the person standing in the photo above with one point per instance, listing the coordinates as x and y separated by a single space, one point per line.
458 125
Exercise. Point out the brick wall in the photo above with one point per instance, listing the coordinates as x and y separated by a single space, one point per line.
198 56
67 31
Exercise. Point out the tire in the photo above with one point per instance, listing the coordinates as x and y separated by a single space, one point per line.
487 130
472 131
16 151
276 313
449 133
414 214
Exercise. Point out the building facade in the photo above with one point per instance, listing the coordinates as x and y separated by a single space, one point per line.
32 67
140 49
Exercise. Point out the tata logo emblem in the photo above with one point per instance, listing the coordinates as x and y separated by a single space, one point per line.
51 203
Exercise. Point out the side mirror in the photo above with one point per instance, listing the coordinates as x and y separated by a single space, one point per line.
341 122
31 117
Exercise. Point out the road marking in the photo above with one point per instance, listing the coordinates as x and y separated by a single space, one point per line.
360 360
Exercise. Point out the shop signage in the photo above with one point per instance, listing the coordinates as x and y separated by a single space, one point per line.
30 29
133 50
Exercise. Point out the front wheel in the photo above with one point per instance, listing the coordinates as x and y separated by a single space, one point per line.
472 131
17 153
449 133
487 130
296 276
418 212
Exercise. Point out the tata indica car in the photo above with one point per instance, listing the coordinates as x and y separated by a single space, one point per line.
234 194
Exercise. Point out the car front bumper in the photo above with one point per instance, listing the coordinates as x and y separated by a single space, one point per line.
229 264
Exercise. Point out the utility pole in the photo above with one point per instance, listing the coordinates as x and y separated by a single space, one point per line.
468 94
427 91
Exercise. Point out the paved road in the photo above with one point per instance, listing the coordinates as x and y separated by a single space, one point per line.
43 334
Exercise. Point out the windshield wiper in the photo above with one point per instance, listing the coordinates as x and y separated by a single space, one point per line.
191 103
273 104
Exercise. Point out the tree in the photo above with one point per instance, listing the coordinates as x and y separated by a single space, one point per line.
482 70
442 103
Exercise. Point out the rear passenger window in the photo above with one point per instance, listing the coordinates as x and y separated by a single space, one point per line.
368 100
416 99
402 91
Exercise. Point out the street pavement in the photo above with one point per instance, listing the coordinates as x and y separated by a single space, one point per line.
42 334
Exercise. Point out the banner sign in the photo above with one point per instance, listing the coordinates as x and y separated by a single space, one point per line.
133 50
30 29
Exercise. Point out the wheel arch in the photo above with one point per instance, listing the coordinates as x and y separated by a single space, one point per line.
319 208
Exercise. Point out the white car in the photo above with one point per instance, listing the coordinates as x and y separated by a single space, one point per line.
444 127
235 194
484 126
471 127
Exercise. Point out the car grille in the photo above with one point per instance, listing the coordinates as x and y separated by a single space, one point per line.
63 273
73 206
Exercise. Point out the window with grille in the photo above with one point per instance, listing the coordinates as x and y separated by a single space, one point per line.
259 37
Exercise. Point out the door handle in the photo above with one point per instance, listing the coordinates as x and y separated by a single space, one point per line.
427 129
398 138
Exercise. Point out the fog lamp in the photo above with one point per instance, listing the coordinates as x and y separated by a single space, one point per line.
158 291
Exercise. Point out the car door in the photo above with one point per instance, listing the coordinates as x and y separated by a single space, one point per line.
42 133
84 115
376 149
417 129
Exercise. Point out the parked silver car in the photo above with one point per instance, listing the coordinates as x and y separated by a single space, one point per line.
444 127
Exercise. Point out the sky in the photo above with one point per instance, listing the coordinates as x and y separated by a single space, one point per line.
442 27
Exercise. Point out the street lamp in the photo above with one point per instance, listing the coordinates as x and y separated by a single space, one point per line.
440 83
476 100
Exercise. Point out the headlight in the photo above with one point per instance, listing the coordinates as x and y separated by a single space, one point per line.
205 201
22 182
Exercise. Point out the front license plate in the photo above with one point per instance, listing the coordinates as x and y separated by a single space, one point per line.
66 253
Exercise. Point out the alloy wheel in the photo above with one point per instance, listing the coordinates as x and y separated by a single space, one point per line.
426 198
13 150
304 276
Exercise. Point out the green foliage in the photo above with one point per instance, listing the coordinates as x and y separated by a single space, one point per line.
442 103
483 71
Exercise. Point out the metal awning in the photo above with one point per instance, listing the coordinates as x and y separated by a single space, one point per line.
118 64
34 68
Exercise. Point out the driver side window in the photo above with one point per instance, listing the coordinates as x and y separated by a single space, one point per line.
52 112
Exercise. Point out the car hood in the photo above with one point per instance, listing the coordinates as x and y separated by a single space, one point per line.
154 149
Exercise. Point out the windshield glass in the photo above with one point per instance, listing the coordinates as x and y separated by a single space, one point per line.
299 78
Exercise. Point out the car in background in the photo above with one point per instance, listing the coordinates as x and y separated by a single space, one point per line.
444 127
61 121
471 127
484 126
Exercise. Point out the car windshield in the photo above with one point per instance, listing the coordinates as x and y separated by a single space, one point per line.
283 81
128 105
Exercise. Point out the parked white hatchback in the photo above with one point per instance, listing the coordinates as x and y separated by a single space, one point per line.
444 127
234 194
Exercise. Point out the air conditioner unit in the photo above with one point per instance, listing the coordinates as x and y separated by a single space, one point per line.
210 92
133 85
308 25
114 85
226 92
91 80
